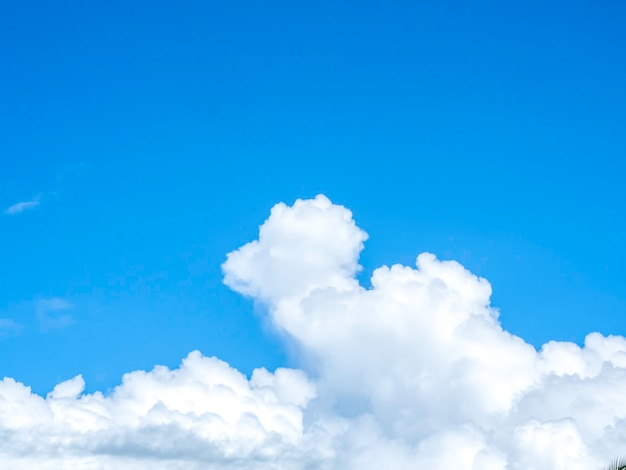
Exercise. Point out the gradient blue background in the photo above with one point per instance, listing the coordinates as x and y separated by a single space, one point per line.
157 136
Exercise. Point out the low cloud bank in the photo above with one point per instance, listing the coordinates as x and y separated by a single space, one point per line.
414 372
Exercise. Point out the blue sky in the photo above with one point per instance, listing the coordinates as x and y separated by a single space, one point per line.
144 141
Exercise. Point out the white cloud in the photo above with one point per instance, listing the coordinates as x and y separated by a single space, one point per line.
415 372
22 206
202 411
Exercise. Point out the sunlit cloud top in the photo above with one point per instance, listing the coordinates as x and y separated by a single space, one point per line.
414 372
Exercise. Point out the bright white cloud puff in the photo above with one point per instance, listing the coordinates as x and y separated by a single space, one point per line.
414 372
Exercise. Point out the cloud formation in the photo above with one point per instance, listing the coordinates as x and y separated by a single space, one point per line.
414 372
8 325
22 206
204 411
49 316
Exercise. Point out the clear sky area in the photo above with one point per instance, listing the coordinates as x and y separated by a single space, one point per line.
141 142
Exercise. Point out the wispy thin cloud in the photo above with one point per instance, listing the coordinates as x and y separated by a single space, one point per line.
47 311
50 191
22 206
8 326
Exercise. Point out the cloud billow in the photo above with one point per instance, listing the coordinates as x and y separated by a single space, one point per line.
414 372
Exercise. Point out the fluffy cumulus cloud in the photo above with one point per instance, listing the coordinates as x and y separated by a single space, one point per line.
204 411
413 372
